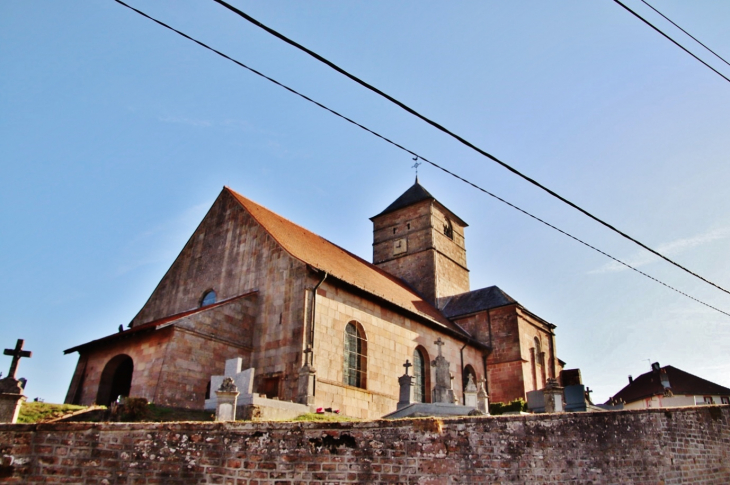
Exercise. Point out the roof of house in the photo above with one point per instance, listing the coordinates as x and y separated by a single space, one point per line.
416 193
342 264
680 383
476 301
156 324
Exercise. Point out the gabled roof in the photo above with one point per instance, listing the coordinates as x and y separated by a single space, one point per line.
476 301
325 256
680 383
415 194
156 324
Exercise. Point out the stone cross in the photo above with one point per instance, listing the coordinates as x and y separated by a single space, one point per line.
17 353
439 342
407 365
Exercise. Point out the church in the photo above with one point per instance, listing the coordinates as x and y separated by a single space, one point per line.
319 325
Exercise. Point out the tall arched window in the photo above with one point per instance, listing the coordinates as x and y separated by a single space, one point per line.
419 376
208 298
355 356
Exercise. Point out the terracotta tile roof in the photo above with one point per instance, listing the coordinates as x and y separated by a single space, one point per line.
680 382
342 264
155 324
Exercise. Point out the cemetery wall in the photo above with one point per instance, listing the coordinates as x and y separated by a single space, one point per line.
668 446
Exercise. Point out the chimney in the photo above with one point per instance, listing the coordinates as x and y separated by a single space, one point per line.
655 367
631 379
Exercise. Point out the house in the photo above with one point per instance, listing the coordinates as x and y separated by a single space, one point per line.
320 325
668 386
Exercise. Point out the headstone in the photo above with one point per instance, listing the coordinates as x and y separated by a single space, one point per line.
482 398
442 391
575 398
470 392
242 379
226 397
406 387
536 401
553 396
11 389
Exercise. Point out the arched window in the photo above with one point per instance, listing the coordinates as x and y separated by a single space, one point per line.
208 298
419 376
355 356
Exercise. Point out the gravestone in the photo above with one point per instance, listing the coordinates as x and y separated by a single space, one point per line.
553 393
11 389
470 392
482 398
226 397
442 391
406 387
242 379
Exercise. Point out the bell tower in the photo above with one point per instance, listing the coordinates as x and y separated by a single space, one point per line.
419 240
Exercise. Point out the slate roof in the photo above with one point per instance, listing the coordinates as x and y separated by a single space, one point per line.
416 193
680 382
476 301
342 264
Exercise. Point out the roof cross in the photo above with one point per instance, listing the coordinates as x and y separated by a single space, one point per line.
407 365
416 165
17 353
439 342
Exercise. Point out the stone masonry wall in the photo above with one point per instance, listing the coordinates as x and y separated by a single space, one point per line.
391 339
672 446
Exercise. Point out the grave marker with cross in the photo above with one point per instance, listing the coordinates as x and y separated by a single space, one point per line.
17 353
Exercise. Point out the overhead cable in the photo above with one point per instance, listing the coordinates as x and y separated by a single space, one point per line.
674 41
464 141
291 90
690 35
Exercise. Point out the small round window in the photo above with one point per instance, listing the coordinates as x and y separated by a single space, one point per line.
208 298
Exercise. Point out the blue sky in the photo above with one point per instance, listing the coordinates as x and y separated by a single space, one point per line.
116 135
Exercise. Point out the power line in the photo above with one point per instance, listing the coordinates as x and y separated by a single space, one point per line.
466 142
291 90
680 28
673 41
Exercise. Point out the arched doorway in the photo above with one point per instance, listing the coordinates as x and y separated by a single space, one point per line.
116 379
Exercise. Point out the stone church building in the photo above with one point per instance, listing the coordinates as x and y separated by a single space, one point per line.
319 325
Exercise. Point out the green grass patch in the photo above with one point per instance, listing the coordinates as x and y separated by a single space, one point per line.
39 412
323 418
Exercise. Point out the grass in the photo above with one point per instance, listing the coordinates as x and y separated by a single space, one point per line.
40 412
323 418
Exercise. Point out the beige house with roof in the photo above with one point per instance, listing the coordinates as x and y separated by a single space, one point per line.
320 325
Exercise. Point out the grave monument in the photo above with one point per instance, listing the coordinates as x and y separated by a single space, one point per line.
11 389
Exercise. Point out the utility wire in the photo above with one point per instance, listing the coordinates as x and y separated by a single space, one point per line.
417 156
673 41
466 142
680 28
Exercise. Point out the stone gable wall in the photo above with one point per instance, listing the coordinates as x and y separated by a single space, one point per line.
391 339
672 446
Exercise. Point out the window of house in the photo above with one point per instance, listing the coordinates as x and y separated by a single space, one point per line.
419 376
725 400
208 298
355 356
709 400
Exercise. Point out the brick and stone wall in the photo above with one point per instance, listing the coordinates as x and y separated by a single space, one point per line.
672 446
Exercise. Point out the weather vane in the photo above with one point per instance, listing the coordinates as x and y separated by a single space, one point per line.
415 165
